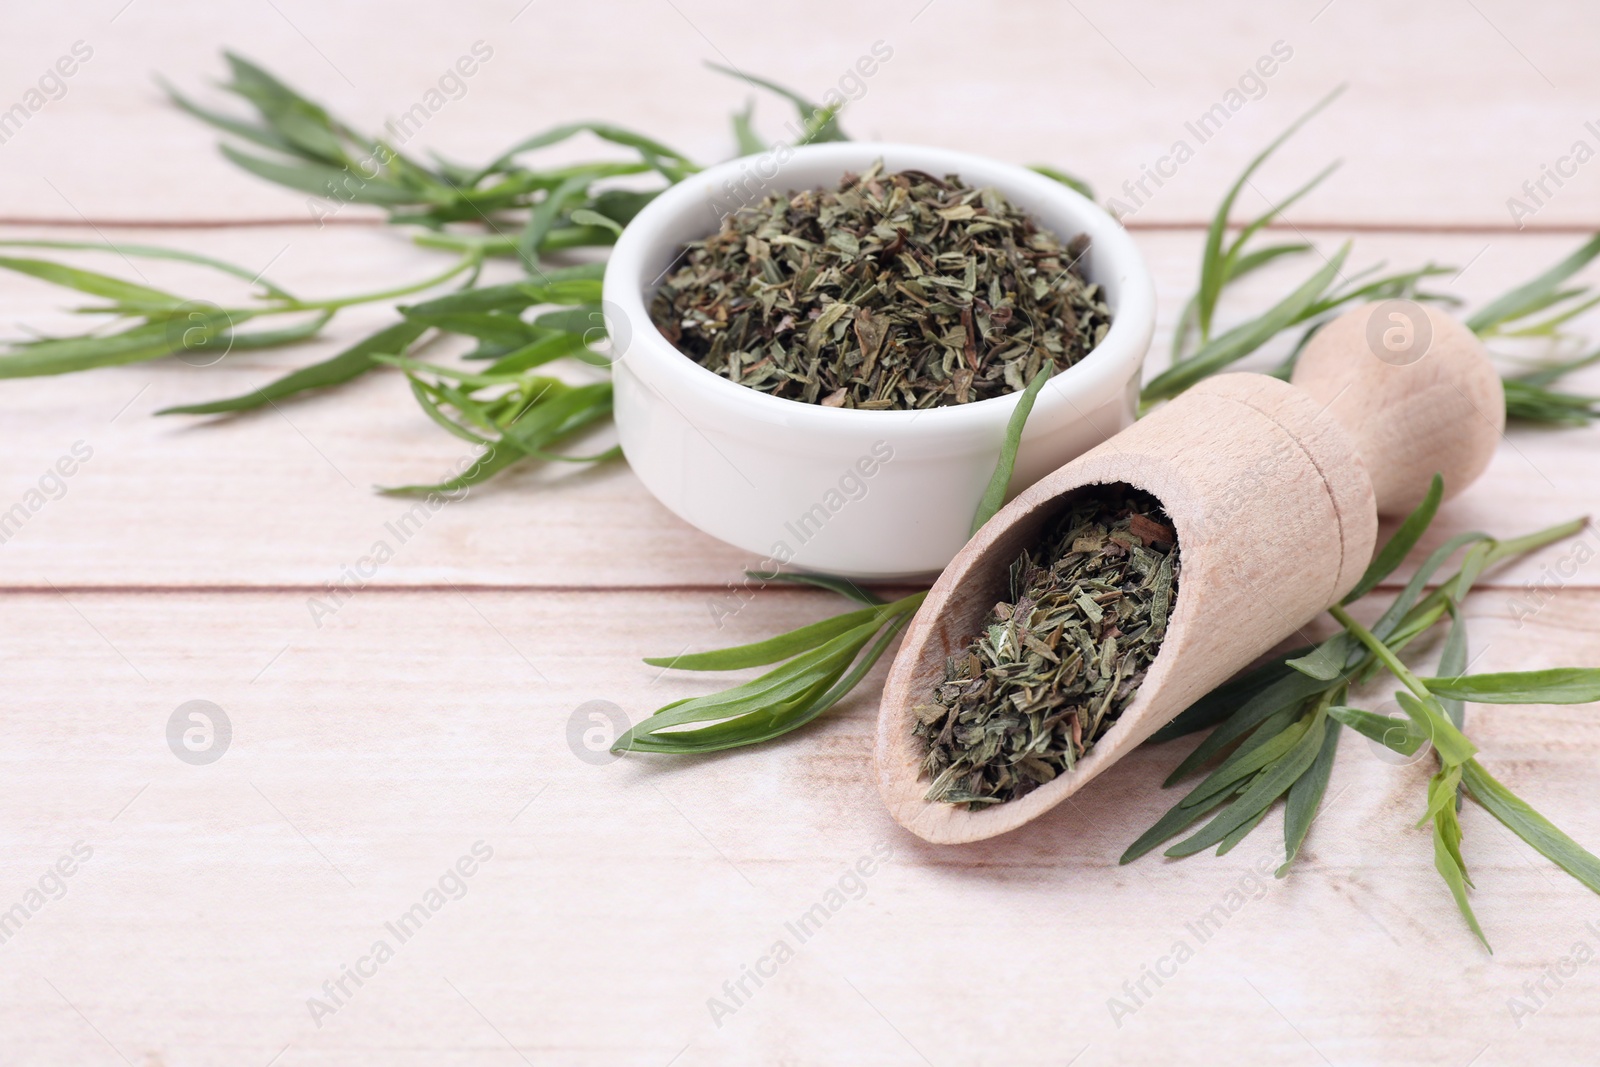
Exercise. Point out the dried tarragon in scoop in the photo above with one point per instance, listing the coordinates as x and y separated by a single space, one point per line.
893 291
1056 665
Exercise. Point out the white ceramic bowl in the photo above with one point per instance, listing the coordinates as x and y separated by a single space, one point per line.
869 494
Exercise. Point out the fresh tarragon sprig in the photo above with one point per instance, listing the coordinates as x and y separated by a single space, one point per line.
295 142
1283 720
145 323
1516 314
510 208
1198 352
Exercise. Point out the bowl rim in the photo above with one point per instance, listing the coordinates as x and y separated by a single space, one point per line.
661 365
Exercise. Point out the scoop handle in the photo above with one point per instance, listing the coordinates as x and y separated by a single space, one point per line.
1416 390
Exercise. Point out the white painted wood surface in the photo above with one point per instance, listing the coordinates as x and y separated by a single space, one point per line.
430 712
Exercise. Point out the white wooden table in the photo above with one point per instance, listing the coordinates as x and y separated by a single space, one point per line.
427 719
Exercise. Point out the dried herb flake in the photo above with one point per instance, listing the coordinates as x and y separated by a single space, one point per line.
1055 666
898 290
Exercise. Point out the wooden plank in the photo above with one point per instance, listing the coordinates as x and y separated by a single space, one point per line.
1497 92
283 497
372 754
379 737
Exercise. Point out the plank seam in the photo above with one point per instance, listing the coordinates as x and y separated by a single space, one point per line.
1136 225
489 587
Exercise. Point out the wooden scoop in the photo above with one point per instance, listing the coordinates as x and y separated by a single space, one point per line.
1274 490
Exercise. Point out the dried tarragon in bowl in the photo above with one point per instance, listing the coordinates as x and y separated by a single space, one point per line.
897 290
1057 664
